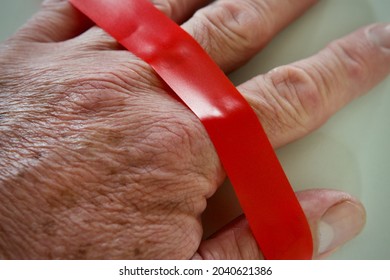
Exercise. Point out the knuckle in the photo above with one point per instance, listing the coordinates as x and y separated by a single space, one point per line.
90 95
299 96
170 132
177 145
351 60
237 22
290 100
97 92
293 83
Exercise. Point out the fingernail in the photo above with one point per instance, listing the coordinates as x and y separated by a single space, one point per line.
340 224
380 34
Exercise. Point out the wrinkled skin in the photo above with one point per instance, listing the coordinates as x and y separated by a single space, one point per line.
131 158
99 159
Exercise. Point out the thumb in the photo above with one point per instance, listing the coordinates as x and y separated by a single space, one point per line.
57 21
334 218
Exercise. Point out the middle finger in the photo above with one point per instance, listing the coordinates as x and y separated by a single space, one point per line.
233 31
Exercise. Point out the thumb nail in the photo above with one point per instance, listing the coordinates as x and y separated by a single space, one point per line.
380 34
339 224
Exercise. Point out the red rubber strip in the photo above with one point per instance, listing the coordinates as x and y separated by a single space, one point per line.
266 197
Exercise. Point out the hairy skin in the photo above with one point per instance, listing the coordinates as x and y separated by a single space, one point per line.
100 160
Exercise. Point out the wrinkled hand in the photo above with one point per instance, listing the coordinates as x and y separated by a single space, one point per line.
98 159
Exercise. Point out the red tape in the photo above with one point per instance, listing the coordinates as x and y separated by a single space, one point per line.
266 197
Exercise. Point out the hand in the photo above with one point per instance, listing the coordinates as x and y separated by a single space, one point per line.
99 161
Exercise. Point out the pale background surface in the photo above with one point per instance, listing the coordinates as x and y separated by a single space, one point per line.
350 152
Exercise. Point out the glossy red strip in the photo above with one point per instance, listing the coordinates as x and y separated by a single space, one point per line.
266 197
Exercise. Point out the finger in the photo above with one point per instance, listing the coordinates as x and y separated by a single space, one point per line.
179 10
293 100
334 219
57 21
233 31
97 39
